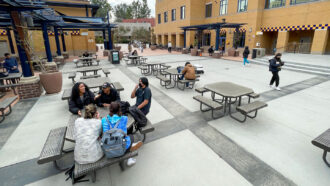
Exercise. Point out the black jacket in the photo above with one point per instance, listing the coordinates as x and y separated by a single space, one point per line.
113 96
275 66
246 53
78 104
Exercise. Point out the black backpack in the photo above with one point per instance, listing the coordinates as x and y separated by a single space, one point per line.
138 116
124 106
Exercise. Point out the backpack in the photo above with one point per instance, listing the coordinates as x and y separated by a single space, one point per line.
124 106
113 141
138 116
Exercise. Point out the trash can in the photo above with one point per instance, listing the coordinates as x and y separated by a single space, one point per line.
254 53
115 57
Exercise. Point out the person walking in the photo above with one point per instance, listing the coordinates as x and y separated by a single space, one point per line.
246 55
275 66
169 46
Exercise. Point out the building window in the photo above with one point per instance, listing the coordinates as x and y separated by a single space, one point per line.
240 41
165 17
182 12
208 10
242 5
293 2
173 14
223 7
274 3
159 18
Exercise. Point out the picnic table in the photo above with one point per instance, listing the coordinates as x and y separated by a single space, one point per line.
84 70
86 61
9 83
174 75
98 82
104 111
134 59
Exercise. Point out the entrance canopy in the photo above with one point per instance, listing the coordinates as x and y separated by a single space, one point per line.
212 26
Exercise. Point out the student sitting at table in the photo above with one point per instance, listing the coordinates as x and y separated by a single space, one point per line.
211 51
80 97
86 54
106 96
115 116
10 64
134 53
87 130
188 72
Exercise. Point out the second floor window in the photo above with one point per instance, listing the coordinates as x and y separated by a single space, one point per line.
223 7
159 18
208 10
173 14
182 12
293 2
242 5
165 17
274 3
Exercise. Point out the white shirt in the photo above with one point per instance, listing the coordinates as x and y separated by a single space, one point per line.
87 148
169 45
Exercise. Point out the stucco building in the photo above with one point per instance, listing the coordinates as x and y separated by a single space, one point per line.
277 25
76 40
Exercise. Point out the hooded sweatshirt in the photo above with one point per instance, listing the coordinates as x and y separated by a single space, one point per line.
189 72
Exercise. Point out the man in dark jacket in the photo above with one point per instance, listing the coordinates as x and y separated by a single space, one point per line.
106 96
275 65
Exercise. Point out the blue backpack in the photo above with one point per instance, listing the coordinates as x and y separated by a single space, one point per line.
113 141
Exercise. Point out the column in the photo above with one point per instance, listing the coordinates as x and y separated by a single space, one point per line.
217 39
11 45
63 41
110 40
320 40
184 38
282 41
46 41
104 40
57 41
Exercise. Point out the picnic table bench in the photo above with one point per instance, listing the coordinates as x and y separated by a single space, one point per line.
72 75
6 103
106 71
323 142
184 82
248 108
213 105
12 86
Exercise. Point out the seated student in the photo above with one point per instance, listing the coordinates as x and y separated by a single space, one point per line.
143 95
86 54
87 130
10 64
111 120
188 72
106 96
134 53
211 50
80 97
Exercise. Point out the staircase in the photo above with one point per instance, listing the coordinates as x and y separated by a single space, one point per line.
299 67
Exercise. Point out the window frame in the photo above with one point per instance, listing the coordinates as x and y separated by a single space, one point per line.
222 4
165 17
173 17
182 12
159 18
206 5
295 2
238 5
267 4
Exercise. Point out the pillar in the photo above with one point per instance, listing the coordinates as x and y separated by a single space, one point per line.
184 38
217 39
63 41
282 41
320 41
11 45
46 41
110 40
57 41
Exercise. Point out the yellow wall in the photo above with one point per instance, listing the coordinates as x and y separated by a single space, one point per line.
254 18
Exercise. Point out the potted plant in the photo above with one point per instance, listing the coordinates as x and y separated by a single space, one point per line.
50 77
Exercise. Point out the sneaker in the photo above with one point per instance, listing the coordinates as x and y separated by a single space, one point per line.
136 146
278 88
271 86
131 162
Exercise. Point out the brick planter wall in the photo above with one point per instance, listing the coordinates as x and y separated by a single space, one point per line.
29 88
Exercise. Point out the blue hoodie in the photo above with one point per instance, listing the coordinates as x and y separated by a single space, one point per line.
122 125
9 64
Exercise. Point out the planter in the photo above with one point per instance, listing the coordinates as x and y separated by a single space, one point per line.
153 47
193 52
233 52
118 48
51 81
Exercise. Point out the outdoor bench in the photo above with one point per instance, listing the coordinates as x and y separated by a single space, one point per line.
90 76
201 90
164 81
106 72
191 83
323 142
253 96
6 103
72 75
213 105
12 86
144 69
118 86
66 94
248 108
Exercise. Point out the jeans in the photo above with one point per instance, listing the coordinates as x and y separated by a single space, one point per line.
245 61
275 78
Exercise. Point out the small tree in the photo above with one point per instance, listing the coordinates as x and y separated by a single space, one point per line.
104 9
141 34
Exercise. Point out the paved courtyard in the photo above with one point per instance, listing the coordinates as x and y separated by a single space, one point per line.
187 146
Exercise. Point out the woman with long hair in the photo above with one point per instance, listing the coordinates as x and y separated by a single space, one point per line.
87 130
111 119
80 97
